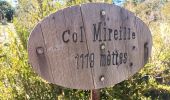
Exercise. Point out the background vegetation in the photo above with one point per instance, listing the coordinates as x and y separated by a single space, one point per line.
6 10
19 82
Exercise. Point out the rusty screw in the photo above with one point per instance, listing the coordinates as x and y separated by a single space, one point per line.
40 50
133 48
131 64
102 78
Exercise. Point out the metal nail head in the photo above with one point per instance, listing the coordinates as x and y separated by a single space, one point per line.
103 12
102 78
102 46
40 50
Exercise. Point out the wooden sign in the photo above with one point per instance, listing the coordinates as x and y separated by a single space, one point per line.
89 46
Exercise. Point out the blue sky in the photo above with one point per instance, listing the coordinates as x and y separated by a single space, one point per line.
119 2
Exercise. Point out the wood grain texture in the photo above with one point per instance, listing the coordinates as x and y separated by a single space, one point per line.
114 18
39 62
62 55
75 56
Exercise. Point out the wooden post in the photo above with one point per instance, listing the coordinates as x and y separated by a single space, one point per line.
95 94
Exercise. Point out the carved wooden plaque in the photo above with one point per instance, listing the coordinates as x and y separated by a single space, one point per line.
89 46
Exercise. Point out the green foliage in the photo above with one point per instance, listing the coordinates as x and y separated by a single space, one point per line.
7 10
75 2
18 81
4 5
29 13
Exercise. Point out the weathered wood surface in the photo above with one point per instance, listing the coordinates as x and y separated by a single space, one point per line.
89 46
